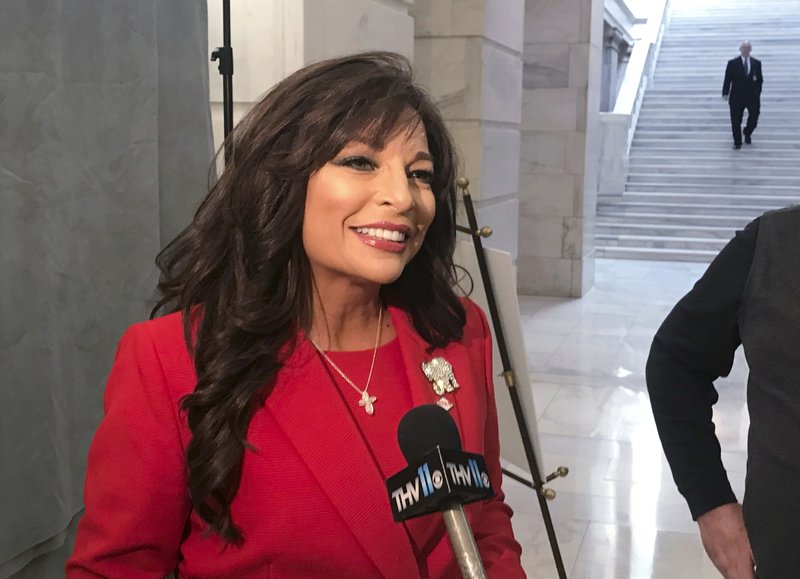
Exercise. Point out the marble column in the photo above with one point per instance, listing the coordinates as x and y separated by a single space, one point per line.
273 38
625 50
468 55
559 159
612 42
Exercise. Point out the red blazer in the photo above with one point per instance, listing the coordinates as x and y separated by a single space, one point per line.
312 502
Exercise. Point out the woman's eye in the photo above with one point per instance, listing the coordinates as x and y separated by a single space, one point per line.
423 176
359 163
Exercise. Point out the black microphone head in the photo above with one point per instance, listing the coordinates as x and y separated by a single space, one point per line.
424 428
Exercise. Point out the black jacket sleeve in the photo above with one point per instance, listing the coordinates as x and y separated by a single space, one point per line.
726 84
760 77
694 346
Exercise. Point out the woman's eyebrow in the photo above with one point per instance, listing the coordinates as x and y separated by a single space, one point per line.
422 156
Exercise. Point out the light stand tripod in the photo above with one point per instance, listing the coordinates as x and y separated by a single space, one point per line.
224 54
543 494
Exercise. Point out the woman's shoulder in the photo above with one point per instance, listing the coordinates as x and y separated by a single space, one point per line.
475 326
476 323
164 331
160 341
155 353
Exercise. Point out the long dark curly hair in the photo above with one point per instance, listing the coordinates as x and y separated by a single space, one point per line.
239 273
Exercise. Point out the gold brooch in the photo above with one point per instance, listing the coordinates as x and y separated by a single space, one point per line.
440 373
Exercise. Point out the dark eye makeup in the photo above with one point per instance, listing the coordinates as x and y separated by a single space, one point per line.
357 162
361 163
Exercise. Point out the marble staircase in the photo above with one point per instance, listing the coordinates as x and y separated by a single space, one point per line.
688 191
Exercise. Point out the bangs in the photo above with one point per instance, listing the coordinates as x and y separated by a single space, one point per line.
377 123
374 119
369 98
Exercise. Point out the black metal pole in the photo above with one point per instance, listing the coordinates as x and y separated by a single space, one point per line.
224 54
508 374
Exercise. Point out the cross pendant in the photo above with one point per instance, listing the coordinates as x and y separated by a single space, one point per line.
366 401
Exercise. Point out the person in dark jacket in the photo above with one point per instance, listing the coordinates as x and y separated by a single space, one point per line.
750 295
742 89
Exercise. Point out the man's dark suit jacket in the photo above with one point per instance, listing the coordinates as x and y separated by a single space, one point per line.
740 86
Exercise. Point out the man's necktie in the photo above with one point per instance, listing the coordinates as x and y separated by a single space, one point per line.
747 67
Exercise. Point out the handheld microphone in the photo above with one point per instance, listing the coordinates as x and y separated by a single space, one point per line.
440 477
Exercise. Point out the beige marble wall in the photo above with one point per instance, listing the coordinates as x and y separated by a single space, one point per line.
468 55
559 151
273 38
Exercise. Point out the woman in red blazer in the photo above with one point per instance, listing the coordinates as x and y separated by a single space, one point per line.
250 432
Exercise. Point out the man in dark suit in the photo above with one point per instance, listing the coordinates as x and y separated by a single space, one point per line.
742 89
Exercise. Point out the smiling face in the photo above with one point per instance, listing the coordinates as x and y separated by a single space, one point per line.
367 210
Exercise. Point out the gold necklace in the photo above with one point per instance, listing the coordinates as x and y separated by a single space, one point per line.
366 401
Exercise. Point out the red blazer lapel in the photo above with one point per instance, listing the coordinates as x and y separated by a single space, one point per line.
415 351
304 404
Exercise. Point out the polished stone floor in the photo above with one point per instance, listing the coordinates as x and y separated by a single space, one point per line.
618 514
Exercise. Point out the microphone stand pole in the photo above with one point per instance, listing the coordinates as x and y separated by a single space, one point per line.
224 54
542 493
